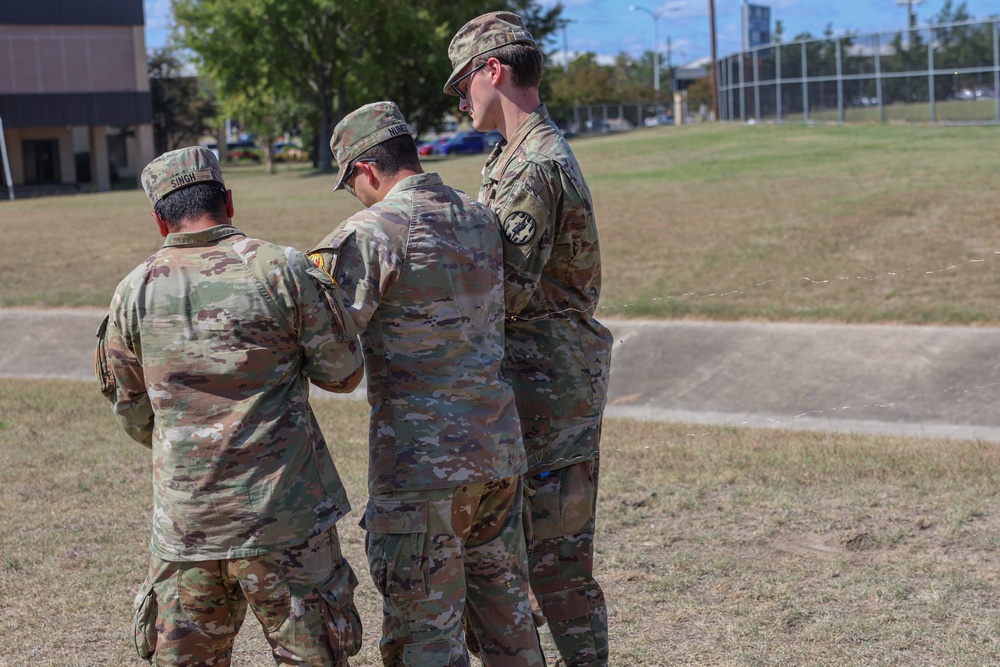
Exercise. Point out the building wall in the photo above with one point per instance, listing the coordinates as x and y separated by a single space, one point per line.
66 59
75 71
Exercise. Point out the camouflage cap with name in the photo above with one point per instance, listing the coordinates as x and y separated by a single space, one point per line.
179 169
360 130
481 34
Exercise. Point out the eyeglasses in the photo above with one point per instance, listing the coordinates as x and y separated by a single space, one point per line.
354 167
460 79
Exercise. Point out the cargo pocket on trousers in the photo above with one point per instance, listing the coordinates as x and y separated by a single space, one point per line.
429 653
545 505
397 530
343 623
144 622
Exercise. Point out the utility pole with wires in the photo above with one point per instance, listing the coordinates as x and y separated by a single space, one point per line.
712 78
911 19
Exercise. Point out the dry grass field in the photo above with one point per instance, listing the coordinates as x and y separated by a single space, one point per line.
857 224
738 547
716 546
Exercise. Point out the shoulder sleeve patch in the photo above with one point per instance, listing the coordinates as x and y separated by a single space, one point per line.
523 216
326 255
318 261
519 227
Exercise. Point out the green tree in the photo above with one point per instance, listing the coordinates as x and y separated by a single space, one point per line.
960 46
331 56
183 110
633 79
586 82
266 116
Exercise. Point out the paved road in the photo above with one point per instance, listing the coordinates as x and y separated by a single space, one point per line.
923 381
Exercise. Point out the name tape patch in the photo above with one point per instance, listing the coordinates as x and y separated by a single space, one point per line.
193 177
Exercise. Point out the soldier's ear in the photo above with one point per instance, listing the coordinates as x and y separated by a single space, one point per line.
230 211
495 71
160 223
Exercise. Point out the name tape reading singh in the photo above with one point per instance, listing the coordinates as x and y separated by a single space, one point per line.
194 177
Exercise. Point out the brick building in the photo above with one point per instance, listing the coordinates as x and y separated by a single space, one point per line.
74 94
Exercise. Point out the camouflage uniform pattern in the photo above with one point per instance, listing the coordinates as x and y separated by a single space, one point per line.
557 354
433 553
421 276
179 169
482 34
205 357
365 127
558 360
561 562
188 613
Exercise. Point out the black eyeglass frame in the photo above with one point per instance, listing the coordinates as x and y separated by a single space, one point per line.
454 86
354 168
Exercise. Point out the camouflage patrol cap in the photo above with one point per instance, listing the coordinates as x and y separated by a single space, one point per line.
481 34
360 130
179 169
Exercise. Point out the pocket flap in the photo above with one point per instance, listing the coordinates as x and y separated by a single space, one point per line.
396 517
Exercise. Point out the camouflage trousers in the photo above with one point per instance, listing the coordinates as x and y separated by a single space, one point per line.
560 528
188 613
434 554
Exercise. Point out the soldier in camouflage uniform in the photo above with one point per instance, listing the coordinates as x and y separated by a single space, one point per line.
557 353
206 356
421 274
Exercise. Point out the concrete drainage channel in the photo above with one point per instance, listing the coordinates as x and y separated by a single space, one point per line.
923 381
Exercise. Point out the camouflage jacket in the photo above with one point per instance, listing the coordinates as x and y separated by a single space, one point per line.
421 273
558 355
205 356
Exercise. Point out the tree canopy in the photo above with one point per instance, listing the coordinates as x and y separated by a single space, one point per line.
182 109
328 57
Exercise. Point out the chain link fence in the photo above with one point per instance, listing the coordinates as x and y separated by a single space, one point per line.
604 118
945 73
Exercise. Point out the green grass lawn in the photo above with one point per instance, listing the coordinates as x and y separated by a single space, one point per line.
716 546
947 111
868 223
731 547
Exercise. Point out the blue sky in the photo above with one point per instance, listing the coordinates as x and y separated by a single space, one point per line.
606 27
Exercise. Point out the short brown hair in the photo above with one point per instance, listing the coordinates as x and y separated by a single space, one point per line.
394 154
524 60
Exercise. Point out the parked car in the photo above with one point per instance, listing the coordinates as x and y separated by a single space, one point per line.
244 150
462 142
491 139
289 152
597 126
427 147
662 119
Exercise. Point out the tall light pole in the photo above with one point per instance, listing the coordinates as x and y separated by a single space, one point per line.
562 24
657 15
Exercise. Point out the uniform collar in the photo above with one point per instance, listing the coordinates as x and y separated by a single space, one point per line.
505 149
423 180
204 237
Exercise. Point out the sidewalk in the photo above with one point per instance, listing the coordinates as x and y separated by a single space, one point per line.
919 381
